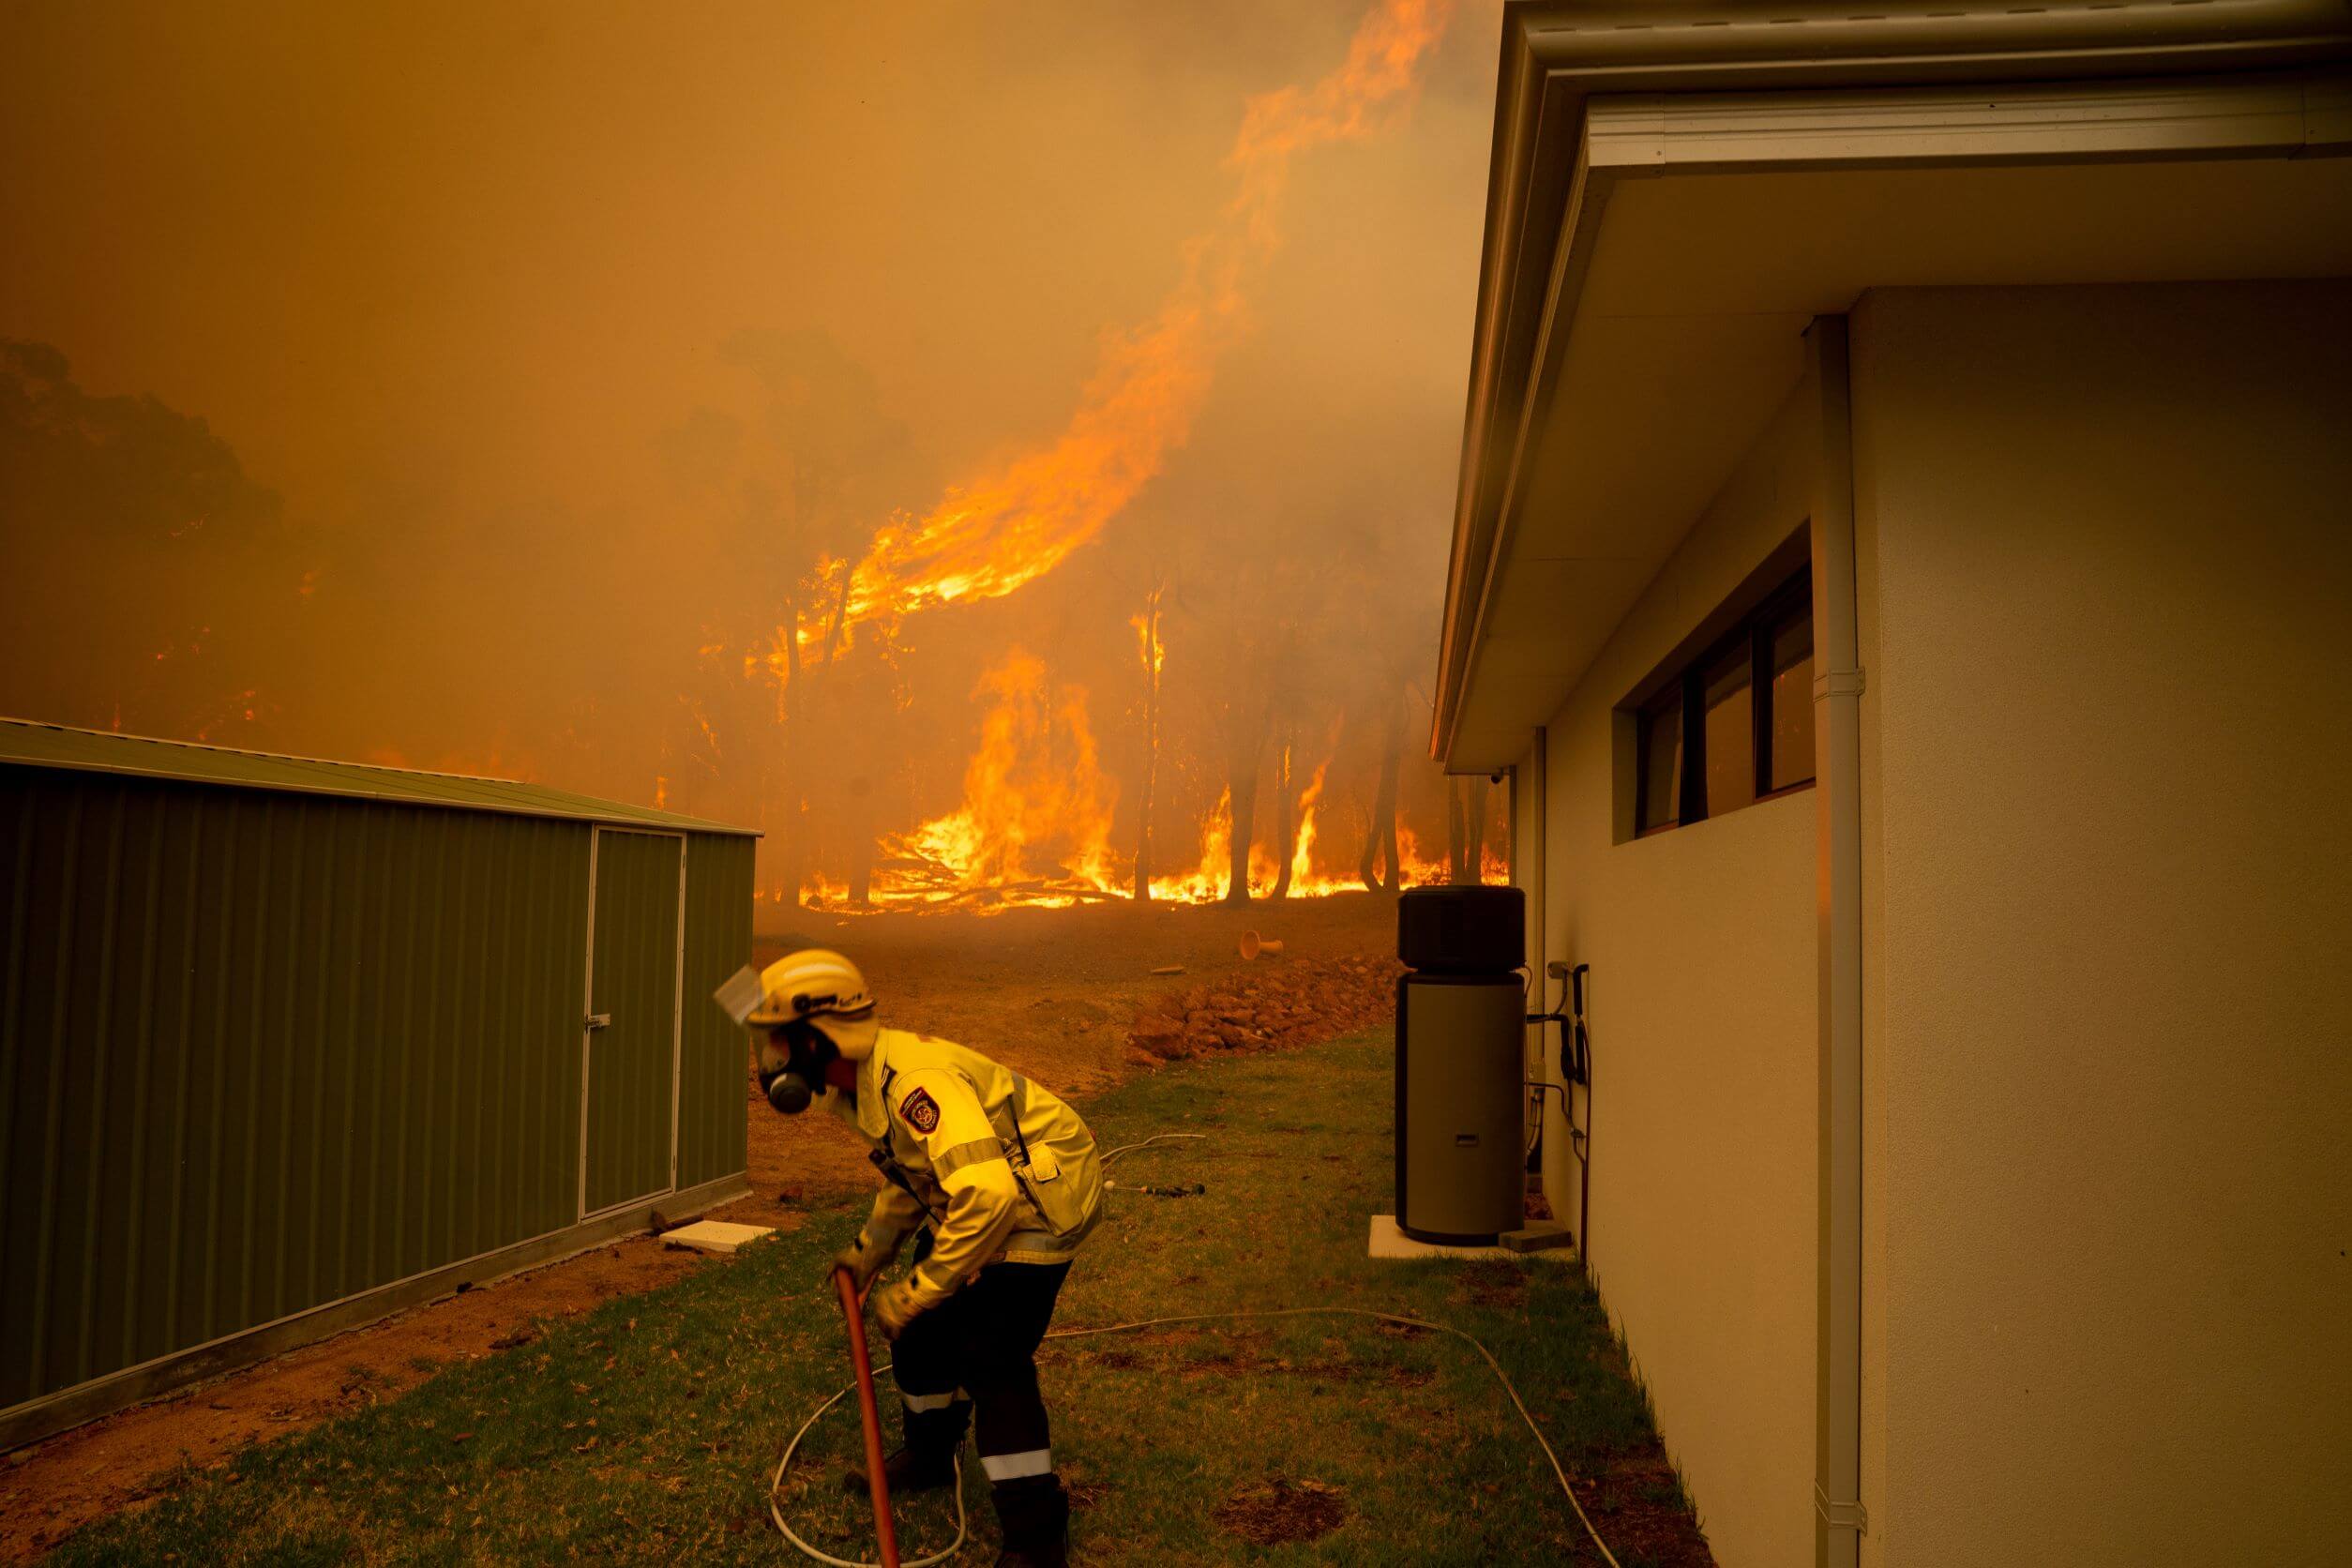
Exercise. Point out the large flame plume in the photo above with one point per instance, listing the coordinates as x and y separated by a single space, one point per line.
989 537
1034 824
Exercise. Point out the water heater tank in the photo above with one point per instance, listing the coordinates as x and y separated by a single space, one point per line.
1460 1073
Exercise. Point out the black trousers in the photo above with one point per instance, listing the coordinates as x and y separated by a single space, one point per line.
976 1355
982 1344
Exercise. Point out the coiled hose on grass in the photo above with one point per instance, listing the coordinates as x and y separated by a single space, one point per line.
962 1523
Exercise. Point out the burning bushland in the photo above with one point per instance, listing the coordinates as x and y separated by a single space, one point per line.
1169 652
1209 705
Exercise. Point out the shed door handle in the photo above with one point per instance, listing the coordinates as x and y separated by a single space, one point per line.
600 1020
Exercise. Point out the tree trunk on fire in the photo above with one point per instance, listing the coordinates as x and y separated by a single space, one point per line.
1285 820
1243 819
792 849
1151 742
1380 837
1244 743
1466 829
1453 832
1475 825
1143 824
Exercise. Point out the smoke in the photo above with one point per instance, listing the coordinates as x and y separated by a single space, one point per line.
1021 523
179 571
552 384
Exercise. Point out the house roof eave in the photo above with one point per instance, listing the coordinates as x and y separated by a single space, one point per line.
1543 207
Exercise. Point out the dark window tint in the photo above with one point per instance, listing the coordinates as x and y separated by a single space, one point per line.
1791 655
1733 724
1730 732
1662 761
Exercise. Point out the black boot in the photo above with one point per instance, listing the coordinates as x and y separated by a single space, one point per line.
927 1462
908 1472
1035 1515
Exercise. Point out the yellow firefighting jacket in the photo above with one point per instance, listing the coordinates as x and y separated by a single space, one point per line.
999 1168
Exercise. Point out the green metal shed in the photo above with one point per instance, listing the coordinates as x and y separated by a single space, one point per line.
288 1045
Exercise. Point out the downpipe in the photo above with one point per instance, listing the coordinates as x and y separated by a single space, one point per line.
1839 1519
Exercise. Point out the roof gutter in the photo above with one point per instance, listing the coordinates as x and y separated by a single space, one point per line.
1544 207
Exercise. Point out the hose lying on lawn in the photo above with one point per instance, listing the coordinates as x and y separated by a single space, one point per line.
1501 1376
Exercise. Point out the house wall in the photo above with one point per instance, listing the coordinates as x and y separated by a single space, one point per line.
2106 561
1701 1006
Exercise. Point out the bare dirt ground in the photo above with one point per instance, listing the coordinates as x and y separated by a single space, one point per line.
1059 995
1066 996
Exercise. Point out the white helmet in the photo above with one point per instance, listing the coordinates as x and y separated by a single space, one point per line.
825 988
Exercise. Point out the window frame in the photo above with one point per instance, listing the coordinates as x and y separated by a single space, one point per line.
1752 632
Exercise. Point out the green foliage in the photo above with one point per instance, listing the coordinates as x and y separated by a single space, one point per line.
647 1430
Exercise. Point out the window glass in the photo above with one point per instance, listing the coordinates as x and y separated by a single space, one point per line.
1791 652
1731 733
1740 716
1662 761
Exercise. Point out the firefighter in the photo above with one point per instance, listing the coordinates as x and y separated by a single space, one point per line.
995 1183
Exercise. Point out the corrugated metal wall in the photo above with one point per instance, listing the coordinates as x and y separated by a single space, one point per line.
713 1053
262 1051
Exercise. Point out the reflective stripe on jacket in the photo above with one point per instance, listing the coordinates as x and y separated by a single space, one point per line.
1000 1168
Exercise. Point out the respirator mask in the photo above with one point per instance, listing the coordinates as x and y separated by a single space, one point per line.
793 1061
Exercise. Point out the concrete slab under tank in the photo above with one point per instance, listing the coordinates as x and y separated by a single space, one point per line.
1389 1241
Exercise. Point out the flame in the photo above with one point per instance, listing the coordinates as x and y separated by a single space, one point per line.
818 891
1149 648
1306 881
1036 811
1035 823
1420 869
991 537
1036 818
1206 882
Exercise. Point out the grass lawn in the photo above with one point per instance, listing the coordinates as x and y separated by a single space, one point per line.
645 1431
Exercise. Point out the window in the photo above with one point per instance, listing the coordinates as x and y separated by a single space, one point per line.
1734 725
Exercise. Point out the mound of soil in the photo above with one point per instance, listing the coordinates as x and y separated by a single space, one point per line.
1284 1002
1277 1509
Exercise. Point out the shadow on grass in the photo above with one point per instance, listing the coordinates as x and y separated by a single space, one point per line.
646 1431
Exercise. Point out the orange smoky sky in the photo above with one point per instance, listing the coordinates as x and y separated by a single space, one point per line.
484 387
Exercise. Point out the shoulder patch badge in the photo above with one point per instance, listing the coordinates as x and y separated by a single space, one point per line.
920 1111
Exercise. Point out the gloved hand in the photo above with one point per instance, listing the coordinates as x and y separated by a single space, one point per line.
862 1258
894 1308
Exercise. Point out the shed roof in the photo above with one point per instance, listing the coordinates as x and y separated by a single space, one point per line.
31 744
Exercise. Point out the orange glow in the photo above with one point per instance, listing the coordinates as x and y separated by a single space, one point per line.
1419 870
989 537
1305 881
1037 813
1206 882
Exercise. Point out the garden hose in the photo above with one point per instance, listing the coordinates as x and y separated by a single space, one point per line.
870 1414
784 1464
